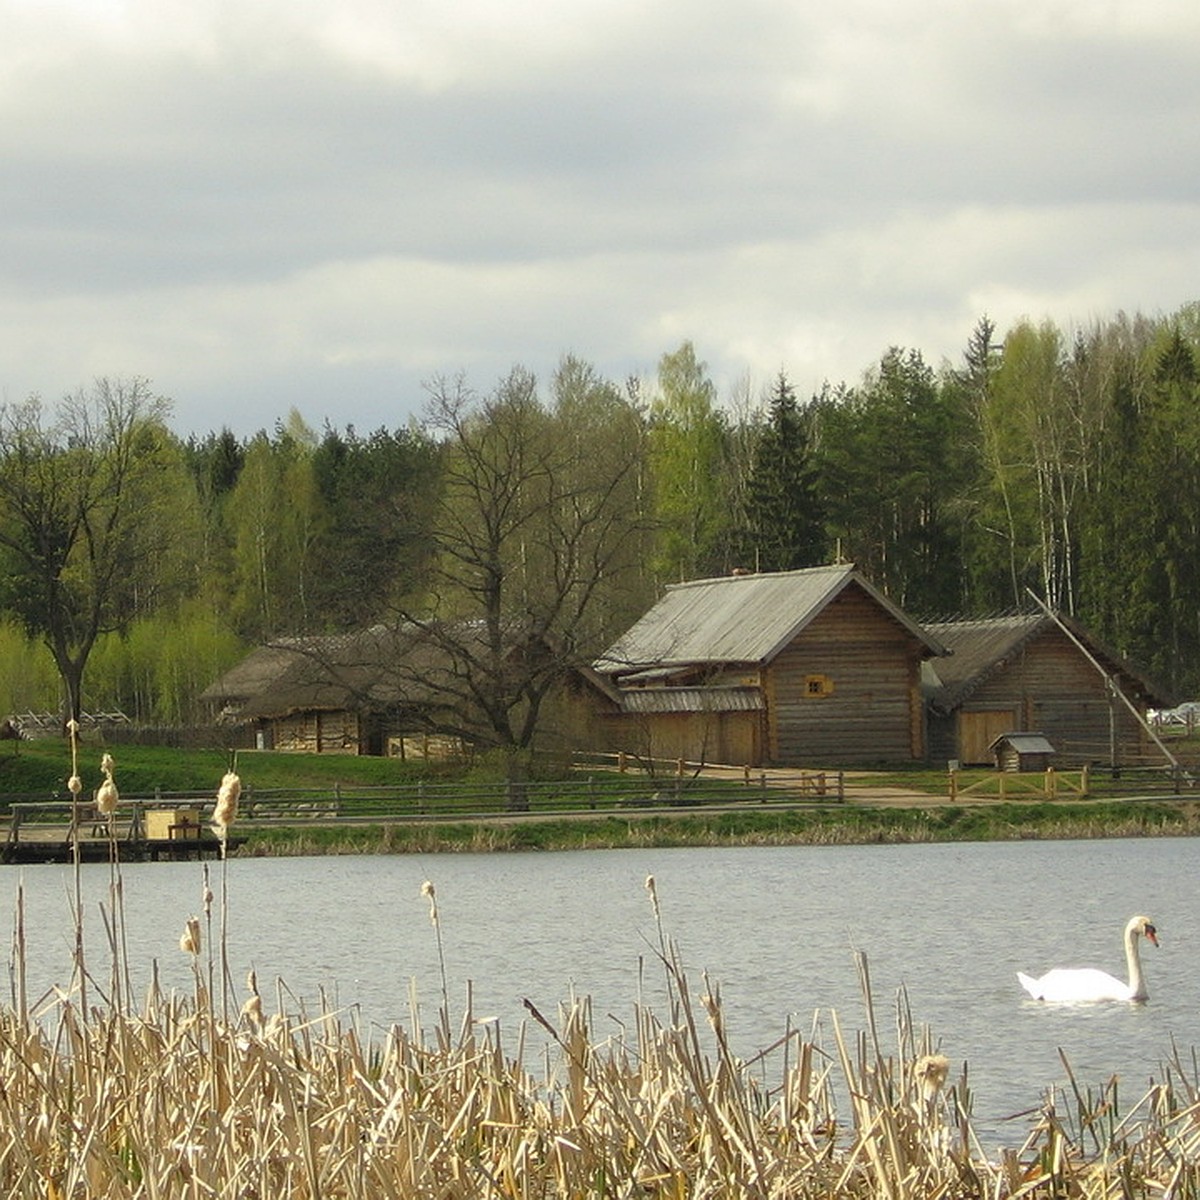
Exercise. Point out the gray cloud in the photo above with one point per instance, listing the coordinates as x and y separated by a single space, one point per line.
279 206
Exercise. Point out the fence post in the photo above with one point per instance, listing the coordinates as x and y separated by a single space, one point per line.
1084 776
746 774
953 785
679 768
841 787
621 762
1051 784
762 787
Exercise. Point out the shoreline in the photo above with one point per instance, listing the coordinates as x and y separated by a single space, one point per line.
856 825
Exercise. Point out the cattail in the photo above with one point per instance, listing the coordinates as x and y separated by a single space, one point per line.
714 1012
189 940
652 888
225 812
252 1010
930 1071
107 797
428 891
106 794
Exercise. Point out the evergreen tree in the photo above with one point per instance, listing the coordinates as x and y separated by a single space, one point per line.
378 495
891 463
783 516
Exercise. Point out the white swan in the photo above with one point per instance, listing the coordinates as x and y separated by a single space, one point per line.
1075 984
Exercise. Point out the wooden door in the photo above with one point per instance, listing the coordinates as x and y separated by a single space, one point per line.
978 730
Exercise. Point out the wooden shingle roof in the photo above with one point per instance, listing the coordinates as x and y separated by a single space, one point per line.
739 619
980 649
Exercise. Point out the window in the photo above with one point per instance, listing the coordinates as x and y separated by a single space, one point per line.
816 686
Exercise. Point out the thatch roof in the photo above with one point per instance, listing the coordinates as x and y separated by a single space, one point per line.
344 671
261 668
739 619
981 649
385 667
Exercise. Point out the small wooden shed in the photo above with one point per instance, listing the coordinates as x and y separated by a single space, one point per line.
1022 752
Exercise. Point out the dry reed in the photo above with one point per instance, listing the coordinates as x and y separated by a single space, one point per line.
175 1099
171 1100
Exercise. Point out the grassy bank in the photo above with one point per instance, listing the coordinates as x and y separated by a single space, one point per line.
832 826
562 822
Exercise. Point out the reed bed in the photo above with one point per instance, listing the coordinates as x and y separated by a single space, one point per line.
223 1092
174 1100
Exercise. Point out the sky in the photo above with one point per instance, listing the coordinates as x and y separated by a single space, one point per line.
268 205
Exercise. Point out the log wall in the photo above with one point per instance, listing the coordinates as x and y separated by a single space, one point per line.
1050 688
873 712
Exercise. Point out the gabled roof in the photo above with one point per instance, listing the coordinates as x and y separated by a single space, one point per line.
1024 743
980 649
740 619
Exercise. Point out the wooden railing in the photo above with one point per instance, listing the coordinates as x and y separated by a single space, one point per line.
1004 785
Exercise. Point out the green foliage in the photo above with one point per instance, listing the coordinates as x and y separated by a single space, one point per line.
378 495
891 465
783 515
275 519
688 467
1063 463
28 678
94 504
156 670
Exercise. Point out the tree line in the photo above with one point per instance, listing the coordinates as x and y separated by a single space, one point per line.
1043 463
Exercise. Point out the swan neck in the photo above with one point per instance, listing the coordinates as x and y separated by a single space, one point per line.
1133 960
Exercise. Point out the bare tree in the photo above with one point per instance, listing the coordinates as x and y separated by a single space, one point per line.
538 524
83 524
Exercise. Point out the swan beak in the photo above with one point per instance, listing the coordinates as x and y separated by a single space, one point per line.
1152 934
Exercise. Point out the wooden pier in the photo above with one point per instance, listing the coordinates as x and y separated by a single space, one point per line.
54 831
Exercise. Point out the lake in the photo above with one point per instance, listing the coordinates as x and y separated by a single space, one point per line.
776 927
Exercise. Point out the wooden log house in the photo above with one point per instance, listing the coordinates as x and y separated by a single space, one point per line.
1030 673
789 668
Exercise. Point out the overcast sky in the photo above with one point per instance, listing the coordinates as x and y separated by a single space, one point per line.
268 204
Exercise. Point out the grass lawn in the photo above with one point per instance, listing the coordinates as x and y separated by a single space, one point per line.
42 767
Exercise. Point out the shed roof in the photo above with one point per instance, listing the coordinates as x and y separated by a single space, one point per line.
1024 743
740 619
692 700
980 649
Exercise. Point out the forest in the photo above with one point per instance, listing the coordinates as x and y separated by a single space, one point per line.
136 565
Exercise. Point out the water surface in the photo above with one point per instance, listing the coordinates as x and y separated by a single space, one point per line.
777 928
